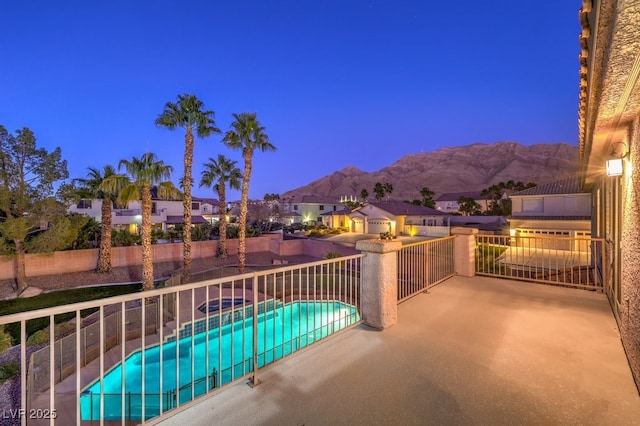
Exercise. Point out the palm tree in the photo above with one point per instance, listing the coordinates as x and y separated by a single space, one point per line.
363 195
378 190
388 189
427 197
246 135
188 114
217 174
90 188
142 174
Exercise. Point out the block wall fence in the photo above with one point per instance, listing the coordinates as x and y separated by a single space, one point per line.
87 260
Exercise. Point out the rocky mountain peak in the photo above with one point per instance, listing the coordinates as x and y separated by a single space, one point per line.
454 169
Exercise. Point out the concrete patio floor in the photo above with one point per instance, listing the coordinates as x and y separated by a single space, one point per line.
472 351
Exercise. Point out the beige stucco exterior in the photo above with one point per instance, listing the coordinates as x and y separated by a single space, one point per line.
610 128
132 214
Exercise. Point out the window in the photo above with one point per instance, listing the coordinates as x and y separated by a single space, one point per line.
84 204
532 205
195 205
154 208
321 207
335 208
295 207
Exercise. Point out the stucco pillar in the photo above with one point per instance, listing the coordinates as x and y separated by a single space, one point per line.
379 283
464 251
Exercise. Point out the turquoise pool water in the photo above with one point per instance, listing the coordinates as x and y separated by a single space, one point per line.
281 331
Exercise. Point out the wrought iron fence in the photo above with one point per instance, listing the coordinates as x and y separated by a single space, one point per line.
571 262
198 337
423 265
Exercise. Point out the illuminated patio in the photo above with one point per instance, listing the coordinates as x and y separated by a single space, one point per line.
472 351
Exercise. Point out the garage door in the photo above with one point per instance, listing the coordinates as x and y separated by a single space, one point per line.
358 226
378 226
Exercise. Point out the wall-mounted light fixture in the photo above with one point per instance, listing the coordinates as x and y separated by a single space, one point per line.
615 165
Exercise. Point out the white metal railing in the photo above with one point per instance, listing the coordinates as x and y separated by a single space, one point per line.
423 265
133 212
152 352
572 262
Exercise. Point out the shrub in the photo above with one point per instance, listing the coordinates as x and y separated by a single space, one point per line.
387 236
57 298
5 340
8 371
331 255
158 234
123 238
42 336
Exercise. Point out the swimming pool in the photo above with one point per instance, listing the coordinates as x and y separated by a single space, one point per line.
280 331
214 305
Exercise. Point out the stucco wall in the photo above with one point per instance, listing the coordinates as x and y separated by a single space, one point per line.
314 248
555 205
630 244
86 260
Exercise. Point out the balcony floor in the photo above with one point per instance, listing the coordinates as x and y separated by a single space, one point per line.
472 351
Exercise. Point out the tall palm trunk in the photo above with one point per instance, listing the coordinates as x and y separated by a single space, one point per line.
244 203
187 182
147 258
21 275
222 244
104 258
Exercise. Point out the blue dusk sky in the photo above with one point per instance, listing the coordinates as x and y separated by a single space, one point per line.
335 82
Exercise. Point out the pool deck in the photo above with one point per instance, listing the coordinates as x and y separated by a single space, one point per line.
472 351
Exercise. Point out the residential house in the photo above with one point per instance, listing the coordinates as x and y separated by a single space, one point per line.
559 209
165 214
399 218
448 202
209 208
258 211
308 209
337 218
609 131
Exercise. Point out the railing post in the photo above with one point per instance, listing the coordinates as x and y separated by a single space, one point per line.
464 247
253 380
379 282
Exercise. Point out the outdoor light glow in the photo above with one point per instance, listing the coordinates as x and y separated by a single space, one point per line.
512 232
614 167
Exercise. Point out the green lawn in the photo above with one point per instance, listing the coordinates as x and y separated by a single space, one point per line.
486 257
63 297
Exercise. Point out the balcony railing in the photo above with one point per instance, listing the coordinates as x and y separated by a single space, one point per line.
572 262
140 356
423 265
133 212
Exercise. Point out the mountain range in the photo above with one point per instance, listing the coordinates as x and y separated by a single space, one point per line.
456 169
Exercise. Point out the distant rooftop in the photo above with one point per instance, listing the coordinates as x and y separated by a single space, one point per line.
401 208
566 186
314 199
455 196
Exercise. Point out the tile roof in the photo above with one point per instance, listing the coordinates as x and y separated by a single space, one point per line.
314 199
179 219
212 201
514 217
337 212
401 208
566 186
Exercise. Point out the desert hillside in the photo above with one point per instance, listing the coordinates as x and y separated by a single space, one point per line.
465 168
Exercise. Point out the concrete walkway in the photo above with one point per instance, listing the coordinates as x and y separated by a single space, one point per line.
472 351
